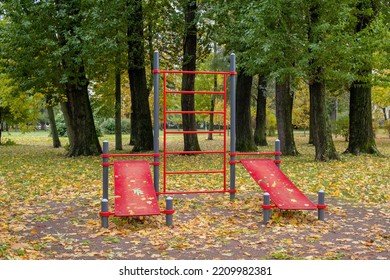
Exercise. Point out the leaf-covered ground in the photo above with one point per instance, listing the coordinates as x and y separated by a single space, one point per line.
49 207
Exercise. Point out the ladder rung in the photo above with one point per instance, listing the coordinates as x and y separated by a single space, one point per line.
195 172
195 112
196 132
193 152
193 92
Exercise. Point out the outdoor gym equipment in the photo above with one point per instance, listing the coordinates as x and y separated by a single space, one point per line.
136 191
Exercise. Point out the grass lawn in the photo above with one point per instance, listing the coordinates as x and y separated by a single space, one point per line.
50 203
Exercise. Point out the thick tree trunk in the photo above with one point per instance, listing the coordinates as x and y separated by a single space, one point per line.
118 111
284 106
141 119
53 126
81 129
311 120
261 113
361 134
188 81
133 121
324 146
244 137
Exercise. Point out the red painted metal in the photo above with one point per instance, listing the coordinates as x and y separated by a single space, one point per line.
282 191
196 112
106 214
194 152
134 190
193 92
195 192
193 72
165 132
195 172
196 132
256 153
131 155
167 92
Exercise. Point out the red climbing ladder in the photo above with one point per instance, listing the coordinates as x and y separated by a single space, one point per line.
169 170
282 191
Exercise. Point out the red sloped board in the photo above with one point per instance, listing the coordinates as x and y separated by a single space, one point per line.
134 190
282 191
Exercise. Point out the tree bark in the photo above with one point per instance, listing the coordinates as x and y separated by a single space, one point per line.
244 137
324 146
141 127
81 129
53 126
118 110
361 133
261 113
188 81
212 108
311 120
284 106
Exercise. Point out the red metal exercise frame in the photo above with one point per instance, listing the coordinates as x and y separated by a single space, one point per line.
166 112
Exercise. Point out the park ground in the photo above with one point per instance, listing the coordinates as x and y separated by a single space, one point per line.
50 209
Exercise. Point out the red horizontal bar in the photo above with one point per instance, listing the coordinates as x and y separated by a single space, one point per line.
195 112
195 132
131 155
193 92
194 72
256 153
194 192
193 152
194 172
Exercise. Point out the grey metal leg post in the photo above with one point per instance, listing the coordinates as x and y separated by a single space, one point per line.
105 210
321 205
266 208
169 211
277 150
232 125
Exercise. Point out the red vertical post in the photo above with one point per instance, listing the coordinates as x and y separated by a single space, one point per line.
165 133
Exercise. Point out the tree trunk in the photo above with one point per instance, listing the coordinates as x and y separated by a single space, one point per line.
284 106
324 146
311 120
53 126
188 81
118 110
361 134
212 108
244 137
81 129
141 119
133 121
261 113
